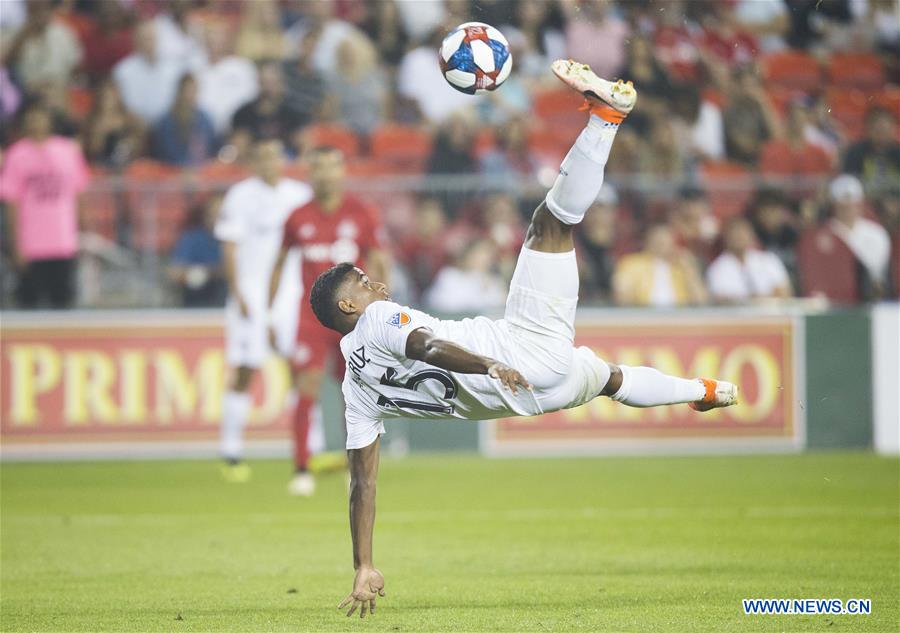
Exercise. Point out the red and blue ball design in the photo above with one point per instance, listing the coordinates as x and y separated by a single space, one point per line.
475 57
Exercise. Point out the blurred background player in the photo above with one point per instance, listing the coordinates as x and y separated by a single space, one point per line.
249 227
334 227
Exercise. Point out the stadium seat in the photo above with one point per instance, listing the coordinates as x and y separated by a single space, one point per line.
484 142
337 136
792 69
827 267
157 203
551 105
548 142
100 211
218 173
400 144
889 99
728 185
848 107
856 70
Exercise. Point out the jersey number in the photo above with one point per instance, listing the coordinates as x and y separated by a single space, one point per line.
450 390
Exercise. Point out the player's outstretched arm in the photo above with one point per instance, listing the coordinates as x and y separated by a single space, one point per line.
368 583
424 346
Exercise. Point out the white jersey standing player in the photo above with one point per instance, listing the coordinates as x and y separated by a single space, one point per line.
405 363
250 227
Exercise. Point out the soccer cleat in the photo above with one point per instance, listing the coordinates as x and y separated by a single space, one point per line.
718 394
238 473
610 100
328 461
302 485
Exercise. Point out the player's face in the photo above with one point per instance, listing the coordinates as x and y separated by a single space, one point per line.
359 292
326 173
269 160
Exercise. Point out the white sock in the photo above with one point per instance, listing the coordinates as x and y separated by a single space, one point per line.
648 387
581 172
235 409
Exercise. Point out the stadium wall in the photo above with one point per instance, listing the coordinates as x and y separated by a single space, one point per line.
149 384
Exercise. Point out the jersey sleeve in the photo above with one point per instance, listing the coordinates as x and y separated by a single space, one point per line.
231 225
389 324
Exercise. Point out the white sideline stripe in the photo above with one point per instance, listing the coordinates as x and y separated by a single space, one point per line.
532 514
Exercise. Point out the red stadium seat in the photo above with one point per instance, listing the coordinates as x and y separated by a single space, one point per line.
558 103
849 107
484 142
400 144
728 185
827 267
157 202
100 211
792 69
336 136
219 173
548 142
856 70
889 99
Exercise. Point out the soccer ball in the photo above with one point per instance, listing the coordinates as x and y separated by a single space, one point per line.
475 57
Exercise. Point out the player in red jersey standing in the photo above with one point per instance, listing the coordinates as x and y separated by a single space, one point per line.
333 227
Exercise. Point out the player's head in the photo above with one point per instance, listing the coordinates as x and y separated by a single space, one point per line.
326 171
341 294
268 159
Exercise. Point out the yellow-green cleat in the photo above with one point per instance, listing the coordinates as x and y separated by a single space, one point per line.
239 473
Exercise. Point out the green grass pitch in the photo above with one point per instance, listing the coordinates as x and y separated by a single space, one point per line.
466 544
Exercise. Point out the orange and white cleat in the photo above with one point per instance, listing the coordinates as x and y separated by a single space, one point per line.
610 100
718 394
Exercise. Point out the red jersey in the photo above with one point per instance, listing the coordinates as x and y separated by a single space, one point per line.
347 234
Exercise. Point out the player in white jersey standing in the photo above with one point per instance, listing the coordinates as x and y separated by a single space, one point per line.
250 227
402 362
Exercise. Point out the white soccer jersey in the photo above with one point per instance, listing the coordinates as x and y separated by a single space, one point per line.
253 215
381 382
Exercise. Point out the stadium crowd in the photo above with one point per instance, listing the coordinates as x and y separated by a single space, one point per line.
762 161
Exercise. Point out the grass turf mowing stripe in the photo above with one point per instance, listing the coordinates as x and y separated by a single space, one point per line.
649 544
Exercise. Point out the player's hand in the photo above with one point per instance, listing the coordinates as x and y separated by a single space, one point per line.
510 378
368 584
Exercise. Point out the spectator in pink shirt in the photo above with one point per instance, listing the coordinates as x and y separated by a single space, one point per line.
40 181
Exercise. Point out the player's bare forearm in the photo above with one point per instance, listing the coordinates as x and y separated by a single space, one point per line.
229 255
363 464
424 346
275 280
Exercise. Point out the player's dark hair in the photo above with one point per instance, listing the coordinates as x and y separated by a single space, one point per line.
322 295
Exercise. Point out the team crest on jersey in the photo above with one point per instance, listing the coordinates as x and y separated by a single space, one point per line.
399 320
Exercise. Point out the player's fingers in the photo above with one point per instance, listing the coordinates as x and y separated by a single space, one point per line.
364 608
372 606
345 601
353 608
522 381
381 592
